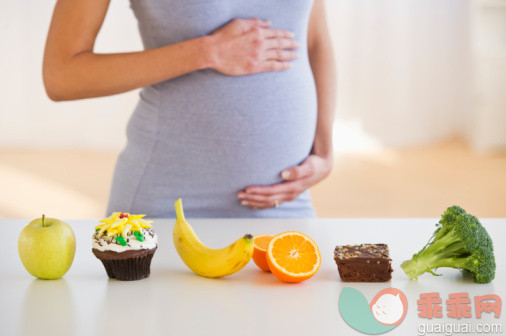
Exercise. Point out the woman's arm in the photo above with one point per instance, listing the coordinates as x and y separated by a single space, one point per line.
321 58
71 70
319 163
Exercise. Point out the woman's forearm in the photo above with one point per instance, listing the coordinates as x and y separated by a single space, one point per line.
322 62
87 74
71 70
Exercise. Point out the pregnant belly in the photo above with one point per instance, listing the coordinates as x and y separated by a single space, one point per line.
234 131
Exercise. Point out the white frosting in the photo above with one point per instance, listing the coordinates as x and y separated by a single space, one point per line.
105 243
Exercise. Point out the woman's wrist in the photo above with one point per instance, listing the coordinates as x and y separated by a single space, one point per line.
326 154
207 52
323 149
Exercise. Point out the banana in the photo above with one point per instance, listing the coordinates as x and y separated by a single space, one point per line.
207 262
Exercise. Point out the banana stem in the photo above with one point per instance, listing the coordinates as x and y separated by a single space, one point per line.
179 210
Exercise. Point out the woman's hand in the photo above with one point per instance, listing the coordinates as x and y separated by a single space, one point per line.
247 46
297 179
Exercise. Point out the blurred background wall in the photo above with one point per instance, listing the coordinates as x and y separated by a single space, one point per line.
27 117
411 73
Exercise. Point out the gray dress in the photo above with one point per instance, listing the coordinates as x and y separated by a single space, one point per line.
204 136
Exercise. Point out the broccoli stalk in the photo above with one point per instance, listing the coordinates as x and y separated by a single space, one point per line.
460 241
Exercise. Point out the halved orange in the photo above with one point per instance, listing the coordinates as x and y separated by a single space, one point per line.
293 257
259 253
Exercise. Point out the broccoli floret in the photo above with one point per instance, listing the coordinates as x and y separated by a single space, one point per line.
460 241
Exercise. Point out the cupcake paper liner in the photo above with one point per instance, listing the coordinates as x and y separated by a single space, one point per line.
129 269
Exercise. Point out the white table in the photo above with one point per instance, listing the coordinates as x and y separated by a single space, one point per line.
175 301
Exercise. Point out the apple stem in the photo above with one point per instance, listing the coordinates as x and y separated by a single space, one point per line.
43 220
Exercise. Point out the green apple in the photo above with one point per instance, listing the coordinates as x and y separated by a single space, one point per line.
46 247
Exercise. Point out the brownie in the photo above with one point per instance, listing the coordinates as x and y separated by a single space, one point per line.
363 263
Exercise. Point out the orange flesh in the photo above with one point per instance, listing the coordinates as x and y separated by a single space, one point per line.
259 253
294 257
261 242
294 254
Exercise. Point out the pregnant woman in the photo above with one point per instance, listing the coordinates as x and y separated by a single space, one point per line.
235 115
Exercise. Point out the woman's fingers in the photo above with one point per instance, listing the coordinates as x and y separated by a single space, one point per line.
281 43
296 180
278 33
268 199
264 202
305 169
281 188
248 46
280 55
263 197
258 205
272 65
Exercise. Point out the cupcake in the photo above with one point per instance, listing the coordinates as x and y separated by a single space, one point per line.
125 245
